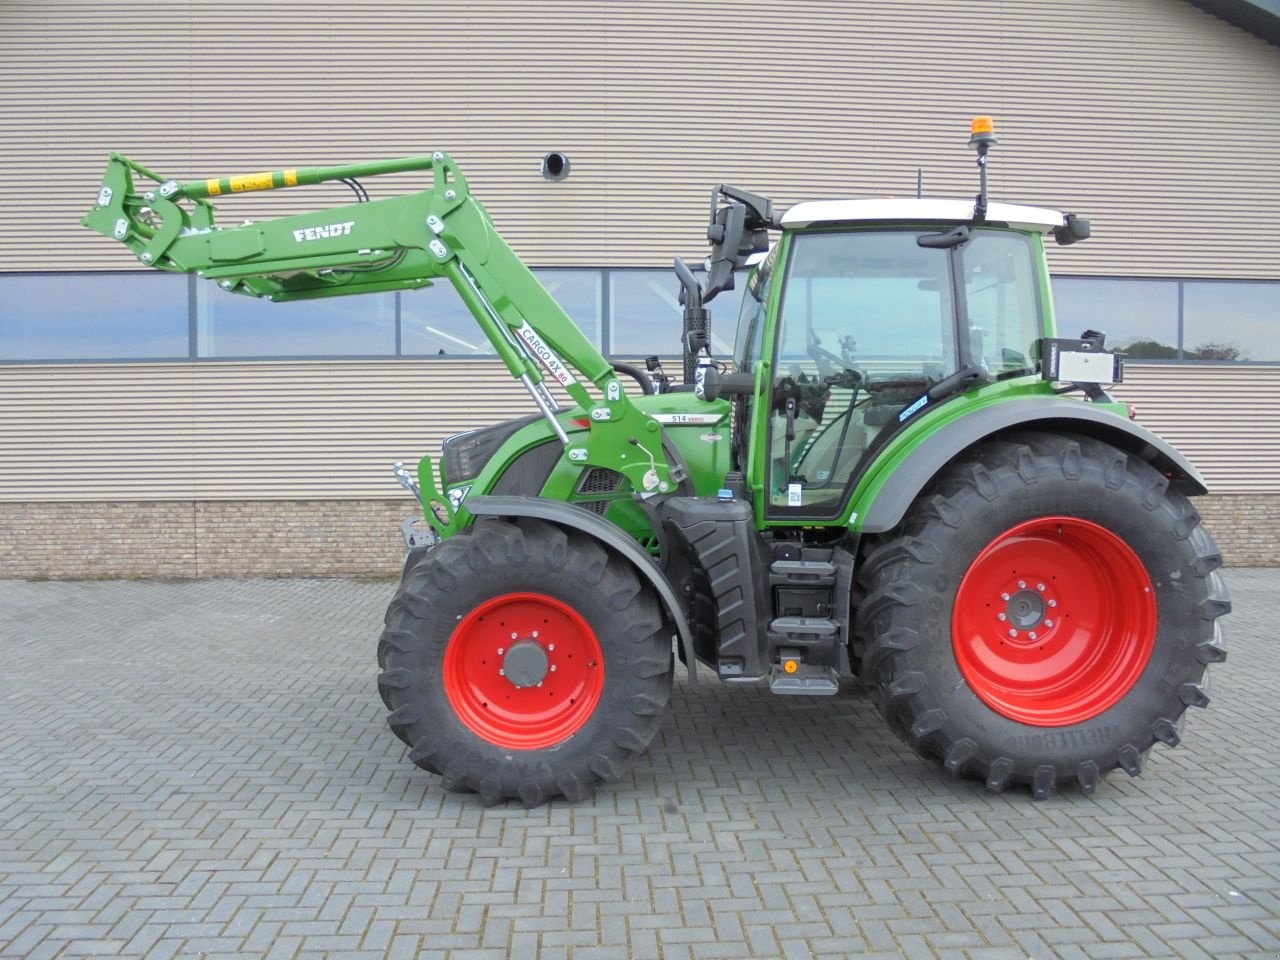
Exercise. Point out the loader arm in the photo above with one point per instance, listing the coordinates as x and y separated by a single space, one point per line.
398 243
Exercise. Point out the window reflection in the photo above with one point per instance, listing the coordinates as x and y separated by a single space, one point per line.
93 316
1224 320
1139 317
230 325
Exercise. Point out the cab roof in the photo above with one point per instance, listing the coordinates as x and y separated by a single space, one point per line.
913 210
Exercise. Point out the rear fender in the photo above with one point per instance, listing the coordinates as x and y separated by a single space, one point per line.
1048 415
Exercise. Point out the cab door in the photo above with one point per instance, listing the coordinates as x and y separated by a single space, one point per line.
866 322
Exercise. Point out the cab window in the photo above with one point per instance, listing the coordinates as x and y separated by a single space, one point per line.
1002 301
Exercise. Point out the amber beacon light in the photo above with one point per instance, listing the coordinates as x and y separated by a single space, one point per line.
982 129
982 137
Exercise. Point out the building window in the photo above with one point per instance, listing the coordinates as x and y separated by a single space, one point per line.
1225 320
645 316
1139 317
626 313
581 293
96 316
435 322
230 325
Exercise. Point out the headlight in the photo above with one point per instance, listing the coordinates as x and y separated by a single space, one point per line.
464 455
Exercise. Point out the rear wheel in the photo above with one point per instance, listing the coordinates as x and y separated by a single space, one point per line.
1044 615
524 661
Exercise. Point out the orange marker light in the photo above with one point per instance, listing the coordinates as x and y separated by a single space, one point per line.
790 666
982 125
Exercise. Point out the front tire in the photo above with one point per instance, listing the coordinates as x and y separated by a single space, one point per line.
524 661
1044 614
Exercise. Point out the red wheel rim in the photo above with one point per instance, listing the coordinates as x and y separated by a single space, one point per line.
1054 621
524 671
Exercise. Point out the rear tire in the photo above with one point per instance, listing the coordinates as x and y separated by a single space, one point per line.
471 707
970 650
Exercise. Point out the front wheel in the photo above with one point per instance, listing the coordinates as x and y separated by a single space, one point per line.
1045 614
524 661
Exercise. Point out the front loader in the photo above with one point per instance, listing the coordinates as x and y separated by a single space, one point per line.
903 476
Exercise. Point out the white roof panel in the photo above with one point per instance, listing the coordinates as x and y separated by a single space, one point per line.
910 208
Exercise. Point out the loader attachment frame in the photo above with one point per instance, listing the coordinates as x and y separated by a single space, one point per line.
398 243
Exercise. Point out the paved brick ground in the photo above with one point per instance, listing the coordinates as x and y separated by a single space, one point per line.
202 770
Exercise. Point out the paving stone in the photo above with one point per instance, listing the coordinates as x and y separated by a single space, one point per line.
203 767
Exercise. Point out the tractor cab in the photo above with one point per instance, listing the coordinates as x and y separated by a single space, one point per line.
865 315
859 321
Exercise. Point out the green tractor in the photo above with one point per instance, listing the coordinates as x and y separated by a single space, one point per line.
890 481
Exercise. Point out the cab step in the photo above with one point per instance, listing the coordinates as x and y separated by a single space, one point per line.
810 573
804 630
808 680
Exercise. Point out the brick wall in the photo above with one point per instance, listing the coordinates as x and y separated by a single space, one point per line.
1246 526
188 539
331 538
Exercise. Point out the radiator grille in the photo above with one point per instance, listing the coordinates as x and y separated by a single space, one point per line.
600 480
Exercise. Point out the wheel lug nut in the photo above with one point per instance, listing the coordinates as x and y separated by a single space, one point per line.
553 668
539 683
1032 635
501 651
1004 596
1001 617
551 647
513 636
501 672
1022 584
1053 603
1040 587
1013 633
1048 623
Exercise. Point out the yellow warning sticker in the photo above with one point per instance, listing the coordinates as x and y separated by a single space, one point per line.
291 178
213 188
251 181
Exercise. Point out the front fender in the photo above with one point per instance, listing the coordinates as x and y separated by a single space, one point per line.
613 539
1046 414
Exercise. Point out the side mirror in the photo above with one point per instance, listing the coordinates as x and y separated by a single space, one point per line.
736 232
1073 231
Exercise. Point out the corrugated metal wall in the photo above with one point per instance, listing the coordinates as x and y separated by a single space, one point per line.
328 430
1156 119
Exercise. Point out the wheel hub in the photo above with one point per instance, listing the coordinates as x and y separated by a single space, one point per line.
1025 609
525 664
